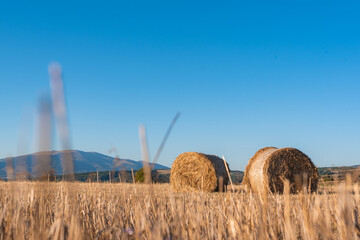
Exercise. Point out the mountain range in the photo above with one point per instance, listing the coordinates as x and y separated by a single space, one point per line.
83 162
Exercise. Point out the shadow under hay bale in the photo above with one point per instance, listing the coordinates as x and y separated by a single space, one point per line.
197 171
270 166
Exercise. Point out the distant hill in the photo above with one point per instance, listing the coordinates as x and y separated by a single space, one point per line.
83 162
90 162
338 173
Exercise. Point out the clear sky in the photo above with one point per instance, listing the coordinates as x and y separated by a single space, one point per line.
243 74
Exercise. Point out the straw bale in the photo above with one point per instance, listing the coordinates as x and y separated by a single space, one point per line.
197 171
269 167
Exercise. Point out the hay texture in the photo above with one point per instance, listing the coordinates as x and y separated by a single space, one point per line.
270 166
197 171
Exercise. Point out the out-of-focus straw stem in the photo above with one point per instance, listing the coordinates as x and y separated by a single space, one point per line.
228 172
145 154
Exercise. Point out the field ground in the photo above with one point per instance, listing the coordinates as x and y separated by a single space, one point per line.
45 210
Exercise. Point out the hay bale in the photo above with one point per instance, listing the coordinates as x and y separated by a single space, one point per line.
269 167
197 171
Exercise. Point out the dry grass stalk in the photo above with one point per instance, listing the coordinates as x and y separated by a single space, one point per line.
167 134
145 154
43 160
10 172
132 174
60 112
228 172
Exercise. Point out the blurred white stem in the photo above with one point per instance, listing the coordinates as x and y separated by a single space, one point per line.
145 154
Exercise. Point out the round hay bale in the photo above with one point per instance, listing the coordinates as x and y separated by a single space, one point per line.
197 171
269 167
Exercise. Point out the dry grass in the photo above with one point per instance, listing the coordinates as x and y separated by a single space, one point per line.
31 210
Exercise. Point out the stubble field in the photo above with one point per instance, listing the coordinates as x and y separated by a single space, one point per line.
62 210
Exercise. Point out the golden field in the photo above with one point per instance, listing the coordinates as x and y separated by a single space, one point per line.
63 210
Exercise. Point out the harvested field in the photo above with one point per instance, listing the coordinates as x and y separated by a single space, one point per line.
31 210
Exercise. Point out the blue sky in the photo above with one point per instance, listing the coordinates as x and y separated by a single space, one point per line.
244 75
